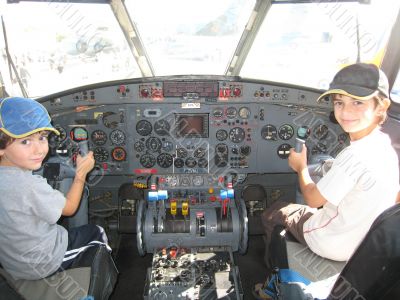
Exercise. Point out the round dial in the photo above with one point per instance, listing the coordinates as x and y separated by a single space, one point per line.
172 180
303 132
237 134
153 144
63 134
231 112
162 127
165 160
319 148
269 133
284 151
190 162
181 152
321 131
147 160
285 132
179 163
244 112
221 135
100 154
117 137
199 152
202 163
143 127
98 137
139 146
218 112
79 134
118 154
198 180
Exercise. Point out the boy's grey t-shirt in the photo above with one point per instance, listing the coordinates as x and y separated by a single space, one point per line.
32 245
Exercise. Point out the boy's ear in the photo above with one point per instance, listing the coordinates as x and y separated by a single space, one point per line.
383 107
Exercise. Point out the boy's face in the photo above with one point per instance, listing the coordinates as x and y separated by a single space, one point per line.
26 153
357 117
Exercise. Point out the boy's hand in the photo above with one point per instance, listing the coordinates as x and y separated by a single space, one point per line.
298 161
84 165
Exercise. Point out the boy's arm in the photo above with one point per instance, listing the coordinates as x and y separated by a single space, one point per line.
74 195
309 189
311 194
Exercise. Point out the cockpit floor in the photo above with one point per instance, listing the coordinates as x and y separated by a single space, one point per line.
132 267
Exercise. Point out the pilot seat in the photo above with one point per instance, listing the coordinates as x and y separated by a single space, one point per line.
95 277
372 272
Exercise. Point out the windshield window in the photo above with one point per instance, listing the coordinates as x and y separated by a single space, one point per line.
305 44
190 37
56 46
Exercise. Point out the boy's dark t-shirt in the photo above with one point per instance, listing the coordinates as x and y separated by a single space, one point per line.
32 244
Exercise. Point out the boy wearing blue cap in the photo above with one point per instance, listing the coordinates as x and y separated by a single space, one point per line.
363 180
32 244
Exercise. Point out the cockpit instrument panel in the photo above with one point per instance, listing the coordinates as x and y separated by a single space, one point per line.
195 125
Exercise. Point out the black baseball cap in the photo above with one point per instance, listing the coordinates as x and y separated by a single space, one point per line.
360 81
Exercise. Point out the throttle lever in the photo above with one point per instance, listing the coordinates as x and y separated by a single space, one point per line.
83 148
299 145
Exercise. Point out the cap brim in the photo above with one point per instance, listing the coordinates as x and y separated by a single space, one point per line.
344 93
19 136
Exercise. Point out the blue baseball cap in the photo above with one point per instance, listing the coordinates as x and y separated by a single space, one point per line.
20 117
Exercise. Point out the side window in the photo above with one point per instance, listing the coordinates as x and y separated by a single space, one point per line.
395 92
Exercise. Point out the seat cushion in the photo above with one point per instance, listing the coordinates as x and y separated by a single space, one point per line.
69 284
309 264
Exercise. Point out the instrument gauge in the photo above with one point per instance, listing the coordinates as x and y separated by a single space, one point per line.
198 180
179 163
57 141
199 152
221 135
98 137
202 163
165 160
181 152
320 132
139 146
144 127
153 144
269 133
231 112
162 127
118 154
284 151
100 154
79 134
218 112
286 132
147 160
237 134
303 132
319 148
117 137
244 112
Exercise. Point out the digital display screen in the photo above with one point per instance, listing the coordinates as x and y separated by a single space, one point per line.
191 125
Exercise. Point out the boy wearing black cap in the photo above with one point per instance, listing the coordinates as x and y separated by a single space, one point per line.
363 180
32 244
